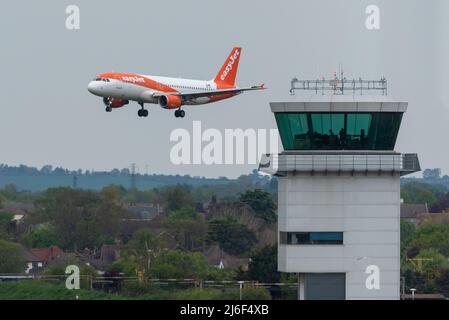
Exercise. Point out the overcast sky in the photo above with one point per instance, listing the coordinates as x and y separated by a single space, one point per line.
48 117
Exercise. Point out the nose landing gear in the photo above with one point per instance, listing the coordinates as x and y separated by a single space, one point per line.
108 101
180 113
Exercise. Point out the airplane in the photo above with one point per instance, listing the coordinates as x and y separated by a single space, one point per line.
118 89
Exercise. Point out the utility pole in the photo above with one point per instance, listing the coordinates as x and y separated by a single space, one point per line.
75 182
133 176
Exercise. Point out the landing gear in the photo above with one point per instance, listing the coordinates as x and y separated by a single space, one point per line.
180 113
142 112
107 101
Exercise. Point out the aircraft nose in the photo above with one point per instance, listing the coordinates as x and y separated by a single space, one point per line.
91 87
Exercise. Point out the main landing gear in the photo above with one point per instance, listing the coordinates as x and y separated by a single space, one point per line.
142 112
108 109
180 113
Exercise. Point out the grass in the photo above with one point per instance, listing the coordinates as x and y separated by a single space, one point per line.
39 290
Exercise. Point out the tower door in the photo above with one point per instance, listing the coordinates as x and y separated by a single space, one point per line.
325 286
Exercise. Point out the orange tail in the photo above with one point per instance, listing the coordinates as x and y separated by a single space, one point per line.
226 76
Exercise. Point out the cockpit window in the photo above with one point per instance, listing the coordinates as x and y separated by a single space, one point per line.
101 79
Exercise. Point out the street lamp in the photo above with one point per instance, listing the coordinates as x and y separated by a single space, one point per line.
413 293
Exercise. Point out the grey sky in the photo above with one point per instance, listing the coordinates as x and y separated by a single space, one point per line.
48 117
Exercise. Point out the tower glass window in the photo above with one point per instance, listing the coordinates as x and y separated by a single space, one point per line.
339 131
306 238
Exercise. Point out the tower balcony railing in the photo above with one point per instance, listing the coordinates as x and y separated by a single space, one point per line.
310 163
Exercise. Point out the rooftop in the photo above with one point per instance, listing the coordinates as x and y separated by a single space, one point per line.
339 103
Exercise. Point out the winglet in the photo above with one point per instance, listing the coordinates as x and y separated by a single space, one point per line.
261 87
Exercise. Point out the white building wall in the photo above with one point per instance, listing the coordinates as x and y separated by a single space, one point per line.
366 208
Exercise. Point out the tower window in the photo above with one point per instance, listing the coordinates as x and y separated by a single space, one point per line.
310 238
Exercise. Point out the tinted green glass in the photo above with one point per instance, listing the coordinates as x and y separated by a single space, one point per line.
338 131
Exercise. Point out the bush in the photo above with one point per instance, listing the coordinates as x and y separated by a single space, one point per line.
11 257
178 264
146 291
226 274
39 290
127 264
198 294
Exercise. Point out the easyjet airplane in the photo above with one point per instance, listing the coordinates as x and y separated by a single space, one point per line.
117 89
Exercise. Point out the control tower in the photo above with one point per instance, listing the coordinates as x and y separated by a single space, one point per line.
339 189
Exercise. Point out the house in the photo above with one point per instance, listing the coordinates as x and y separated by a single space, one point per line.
18 218
412 211
37 259
49 254
145 211
100 259
220 259
423 296
22 209
33 263
110 253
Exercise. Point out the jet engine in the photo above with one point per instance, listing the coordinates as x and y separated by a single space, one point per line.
115 102
170 101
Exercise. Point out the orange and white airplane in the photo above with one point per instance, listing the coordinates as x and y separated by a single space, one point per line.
117 89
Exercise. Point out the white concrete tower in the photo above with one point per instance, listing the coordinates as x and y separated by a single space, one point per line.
339 194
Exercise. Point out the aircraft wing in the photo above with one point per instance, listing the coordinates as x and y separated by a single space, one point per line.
194 94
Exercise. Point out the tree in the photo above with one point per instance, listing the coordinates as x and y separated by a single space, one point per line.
408 231
262 204
5 223
432 235
433 266
11 257
145 246
9 192
179 197
127 263
177 264
113 192
232 237
188 226
442 282
82 219
263 265
432 174
435 263
414 279
43 236
441 205
418 193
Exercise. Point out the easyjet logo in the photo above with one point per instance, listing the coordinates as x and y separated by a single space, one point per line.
133 79
228 68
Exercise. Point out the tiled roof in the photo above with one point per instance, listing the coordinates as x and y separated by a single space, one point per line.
47 254
412 210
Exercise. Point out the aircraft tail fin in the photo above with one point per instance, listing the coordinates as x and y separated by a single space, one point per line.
225 78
